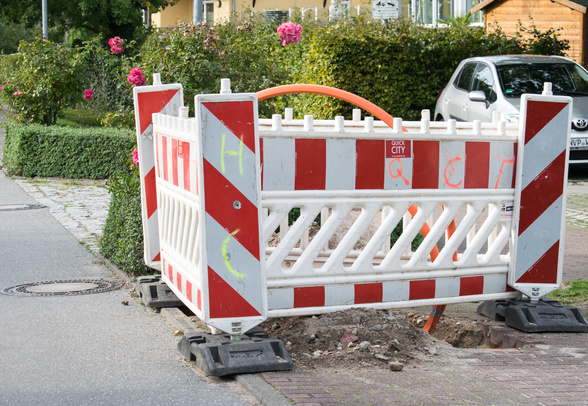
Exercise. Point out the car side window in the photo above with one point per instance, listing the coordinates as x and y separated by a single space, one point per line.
484 81
464 79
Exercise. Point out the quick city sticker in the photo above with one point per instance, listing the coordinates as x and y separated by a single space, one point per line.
398 164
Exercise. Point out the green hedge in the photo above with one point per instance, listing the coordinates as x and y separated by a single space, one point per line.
122 240
400 67
65 152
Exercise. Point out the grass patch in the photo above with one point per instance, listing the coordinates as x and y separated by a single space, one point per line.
571 293
80 117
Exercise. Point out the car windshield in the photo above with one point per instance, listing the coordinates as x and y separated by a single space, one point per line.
519 78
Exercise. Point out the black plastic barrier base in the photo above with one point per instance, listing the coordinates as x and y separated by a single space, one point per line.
546 315
218 355
155 293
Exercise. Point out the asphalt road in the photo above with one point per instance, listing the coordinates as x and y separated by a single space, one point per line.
87 349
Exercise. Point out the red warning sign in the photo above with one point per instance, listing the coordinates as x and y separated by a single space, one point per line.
398 149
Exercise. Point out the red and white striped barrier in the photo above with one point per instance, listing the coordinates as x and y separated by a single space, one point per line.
208 186
540 207
228 185
158 98
356 164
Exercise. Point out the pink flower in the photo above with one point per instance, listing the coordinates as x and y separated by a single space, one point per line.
116 45
136 157
136 77
0 88
289 32
17 93
88 94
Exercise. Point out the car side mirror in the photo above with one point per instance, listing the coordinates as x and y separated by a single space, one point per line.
477 96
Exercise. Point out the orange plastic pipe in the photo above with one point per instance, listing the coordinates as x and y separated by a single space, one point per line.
329 91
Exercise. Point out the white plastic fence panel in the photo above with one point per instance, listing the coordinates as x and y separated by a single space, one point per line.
367 177
166 99
332 194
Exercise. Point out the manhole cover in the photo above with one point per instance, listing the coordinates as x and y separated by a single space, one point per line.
62 288
12 207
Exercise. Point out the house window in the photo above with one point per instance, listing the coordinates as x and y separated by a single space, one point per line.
423 11
209 11
477 18
445 10
430 12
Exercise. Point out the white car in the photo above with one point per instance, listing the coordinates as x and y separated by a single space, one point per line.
479 86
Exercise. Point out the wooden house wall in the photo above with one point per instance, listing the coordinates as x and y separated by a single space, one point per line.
545 14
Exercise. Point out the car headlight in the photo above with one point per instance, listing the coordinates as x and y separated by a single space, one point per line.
511 118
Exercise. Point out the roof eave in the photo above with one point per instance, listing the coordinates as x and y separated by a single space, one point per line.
480 6
566 3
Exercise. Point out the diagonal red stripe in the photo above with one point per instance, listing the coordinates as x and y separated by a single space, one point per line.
224 301
150 193
237 117
539 113
221 199
545 269
545 189
152 102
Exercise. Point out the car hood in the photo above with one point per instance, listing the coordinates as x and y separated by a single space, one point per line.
580 107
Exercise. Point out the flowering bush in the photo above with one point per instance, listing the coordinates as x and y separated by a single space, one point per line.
116 45
187 54
136 157
88 94
136 77
106 75
42 79
289 33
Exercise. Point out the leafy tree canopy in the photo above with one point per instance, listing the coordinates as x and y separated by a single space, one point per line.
106 17
12 33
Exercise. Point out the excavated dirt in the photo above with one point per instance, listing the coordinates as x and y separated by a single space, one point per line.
367 338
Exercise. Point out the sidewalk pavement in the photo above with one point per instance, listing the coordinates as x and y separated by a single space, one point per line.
93 349
550 369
